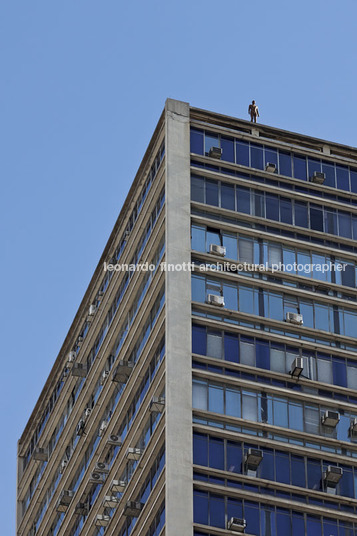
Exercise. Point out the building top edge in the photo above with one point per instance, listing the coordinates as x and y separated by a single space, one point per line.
274 133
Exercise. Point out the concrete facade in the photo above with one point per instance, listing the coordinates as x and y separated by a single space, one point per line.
178 500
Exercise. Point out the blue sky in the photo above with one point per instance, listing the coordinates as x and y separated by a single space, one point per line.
83 84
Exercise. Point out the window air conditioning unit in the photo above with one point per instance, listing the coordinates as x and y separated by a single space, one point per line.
353 427
102 428
333 475
330 418
218 301
236 524
71 357
271 168
110 501
118 486
86 413
97 478
318 177
215 152
297 367
114 440
157 404
104 376
220 251
253 458
64 500
92 309
102 467
294 318
63 466
80 427
132 509
122 371
40 454
80 370
81 509
134 453
102 520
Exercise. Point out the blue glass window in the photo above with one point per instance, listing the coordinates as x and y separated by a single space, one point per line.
246 300
329 170
212 193
314 474
286 214
217 514
215 399
231 348
211 140
353 174
199 340
285 164
251 515
200 507
198 238
344 225
227 145
339 372
300 168
350 319
230 296
267 465
301 214
243 199
234 457
227 196
234 508
275 306
216 453
282 467
342 178
259 204
230 243
271 156
256 155
262 355
314 165
322 317
233 403
331 222
296 417
242 153
298 471
316 218
196 141
330 528
354 227
313 526
272 207
197 190
298 525
348 275
283 523
198 289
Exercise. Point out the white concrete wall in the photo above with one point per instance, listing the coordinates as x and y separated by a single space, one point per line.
179 502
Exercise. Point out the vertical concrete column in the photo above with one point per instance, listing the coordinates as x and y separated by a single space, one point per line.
179 501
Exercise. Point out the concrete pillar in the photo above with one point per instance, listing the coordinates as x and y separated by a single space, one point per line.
179 501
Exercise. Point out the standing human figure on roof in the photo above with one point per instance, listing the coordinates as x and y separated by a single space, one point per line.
253 111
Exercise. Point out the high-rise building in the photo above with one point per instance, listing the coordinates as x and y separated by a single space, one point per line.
208 384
